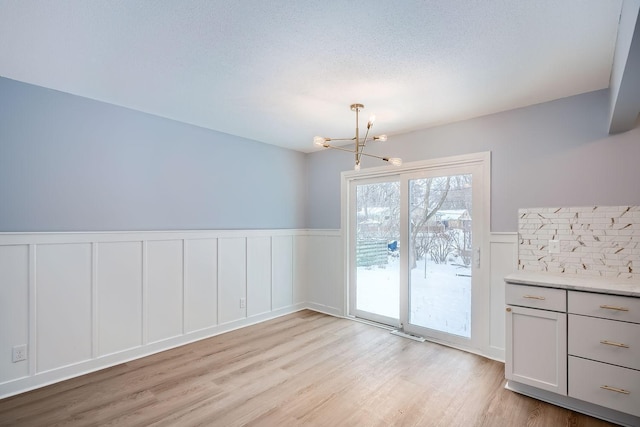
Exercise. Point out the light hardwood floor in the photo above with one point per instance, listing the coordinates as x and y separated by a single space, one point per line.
304 369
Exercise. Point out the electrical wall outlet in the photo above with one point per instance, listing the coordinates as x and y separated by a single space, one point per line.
243 302
19 353
554 246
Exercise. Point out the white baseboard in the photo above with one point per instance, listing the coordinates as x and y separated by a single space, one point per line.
42 379
333 311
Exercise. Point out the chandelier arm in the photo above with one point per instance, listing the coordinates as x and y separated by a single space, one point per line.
386 159
340 139
339 148
366 135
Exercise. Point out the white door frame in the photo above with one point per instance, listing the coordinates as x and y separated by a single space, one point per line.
351 254
482 160
476 280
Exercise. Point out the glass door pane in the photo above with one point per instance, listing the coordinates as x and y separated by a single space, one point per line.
377 249
440 253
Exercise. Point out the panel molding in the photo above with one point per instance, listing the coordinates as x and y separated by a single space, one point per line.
259 263
503 253
165 289
63 306
195 322
316 268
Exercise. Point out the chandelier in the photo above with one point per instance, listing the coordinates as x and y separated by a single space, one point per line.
359 143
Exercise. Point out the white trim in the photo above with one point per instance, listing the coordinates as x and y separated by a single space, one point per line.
271 293
332 311
145 294
95 331
444 162
498 268
32 351
43 238
184 286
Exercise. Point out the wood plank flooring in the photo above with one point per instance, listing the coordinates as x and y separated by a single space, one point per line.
304 369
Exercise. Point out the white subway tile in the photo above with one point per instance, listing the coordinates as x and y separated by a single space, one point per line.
594 240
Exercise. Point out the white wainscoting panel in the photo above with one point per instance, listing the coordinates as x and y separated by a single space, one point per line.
282 285
63 305
86 301
300 262
504 260
232 278
201 284
164 289
258 275
119 296
14 309
325 273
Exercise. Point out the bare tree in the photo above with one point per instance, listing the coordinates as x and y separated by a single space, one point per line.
429 208
441 247
460 239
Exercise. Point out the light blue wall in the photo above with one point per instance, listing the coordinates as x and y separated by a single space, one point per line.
552 154
72 164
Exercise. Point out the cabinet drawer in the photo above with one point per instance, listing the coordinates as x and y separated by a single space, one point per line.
606 385
605 340
536 297
605 306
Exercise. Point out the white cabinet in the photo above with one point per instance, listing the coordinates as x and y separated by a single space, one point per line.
577 349
536 342
604 350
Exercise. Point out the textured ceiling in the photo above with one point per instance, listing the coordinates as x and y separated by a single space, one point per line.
281 72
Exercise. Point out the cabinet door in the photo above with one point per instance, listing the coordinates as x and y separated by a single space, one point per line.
536 348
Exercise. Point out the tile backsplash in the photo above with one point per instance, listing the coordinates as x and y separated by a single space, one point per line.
596 240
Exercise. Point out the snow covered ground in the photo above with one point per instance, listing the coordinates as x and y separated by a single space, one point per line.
440 301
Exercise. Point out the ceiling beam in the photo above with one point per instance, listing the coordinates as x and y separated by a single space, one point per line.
625 75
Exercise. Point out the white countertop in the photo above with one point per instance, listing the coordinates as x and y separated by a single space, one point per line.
605 285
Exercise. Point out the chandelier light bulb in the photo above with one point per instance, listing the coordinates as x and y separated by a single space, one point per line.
356 167
371 120
319 141
395 161
381 138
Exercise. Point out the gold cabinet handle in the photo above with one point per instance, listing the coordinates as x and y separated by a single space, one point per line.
617 390
613 307
508 309
534 297
613 343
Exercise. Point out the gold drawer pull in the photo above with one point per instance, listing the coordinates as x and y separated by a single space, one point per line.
613 307
617 390
613 343
534 297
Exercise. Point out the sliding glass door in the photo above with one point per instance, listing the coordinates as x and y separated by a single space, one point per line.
441 214
415 251
376 272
